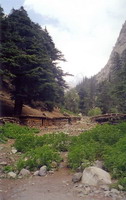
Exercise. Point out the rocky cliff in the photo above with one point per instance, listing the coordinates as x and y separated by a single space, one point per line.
117 57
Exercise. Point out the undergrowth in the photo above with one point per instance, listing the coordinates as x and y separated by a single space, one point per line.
104 142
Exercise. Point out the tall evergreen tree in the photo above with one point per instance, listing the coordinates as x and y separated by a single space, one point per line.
29 60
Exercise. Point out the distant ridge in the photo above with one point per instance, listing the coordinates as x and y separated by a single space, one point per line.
117 57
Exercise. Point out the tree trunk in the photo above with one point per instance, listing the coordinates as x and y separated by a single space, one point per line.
18 106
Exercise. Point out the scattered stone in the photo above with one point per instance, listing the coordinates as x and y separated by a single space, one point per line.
98 164
36 173
96 176
85 164
43 171
51 172
11 175
107 193
1 148
66 183
77 177
24 172
3 163
14 150
54 164
120 187
115 191
87 190
105 187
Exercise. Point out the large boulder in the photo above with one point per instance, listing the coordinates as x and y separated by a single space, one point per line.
96 176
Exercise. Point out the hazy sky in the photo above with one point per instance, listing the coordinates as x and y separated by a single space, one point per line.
84 30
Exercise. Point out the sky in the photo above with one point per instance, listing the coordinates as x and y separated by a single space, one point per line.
85 31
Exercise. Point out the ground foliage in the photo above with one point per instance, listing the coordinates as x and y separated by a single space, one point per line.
104 142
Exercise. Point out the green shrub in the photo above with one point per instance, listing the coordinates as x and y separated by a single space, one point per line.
38 157
60 141
25 143
94 111
13 130
79 153
115 158
8 168
105 134
122 181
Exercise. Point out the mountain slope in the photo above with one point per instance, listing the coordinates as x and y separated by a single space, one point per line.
117 57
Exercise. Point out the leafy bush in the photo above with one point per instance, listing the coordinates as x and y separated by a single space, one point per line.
104 134
94 111
38 157
122 181
25 143
79 153
102 142
58 141
115 158
8 168
13 130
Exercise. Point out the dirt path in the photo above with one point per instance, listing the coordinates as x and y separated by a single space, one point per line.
57 186
52 187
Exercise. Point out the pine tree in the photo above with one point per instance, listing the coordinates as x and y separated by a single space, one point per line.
29 61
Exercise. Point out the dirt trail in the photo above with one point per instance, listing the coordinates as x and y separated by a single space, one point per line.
57 186
52 187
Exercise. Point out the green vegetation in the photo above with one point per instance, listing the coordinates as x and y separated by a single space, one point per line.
104 142
71 101
37 150
58 141
94 111
38 157
13 131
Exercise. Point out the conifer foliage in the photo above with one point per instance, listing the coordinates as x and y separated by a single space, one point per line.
29 60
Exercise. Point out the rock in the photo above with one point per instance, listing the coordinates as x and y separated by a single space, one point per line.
54 164
3 163
107 193
120 187
114 191
77 177
51 172
85 164
36 173
95 176
105 187
43 171
98 164
14 150
11 175
24 172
